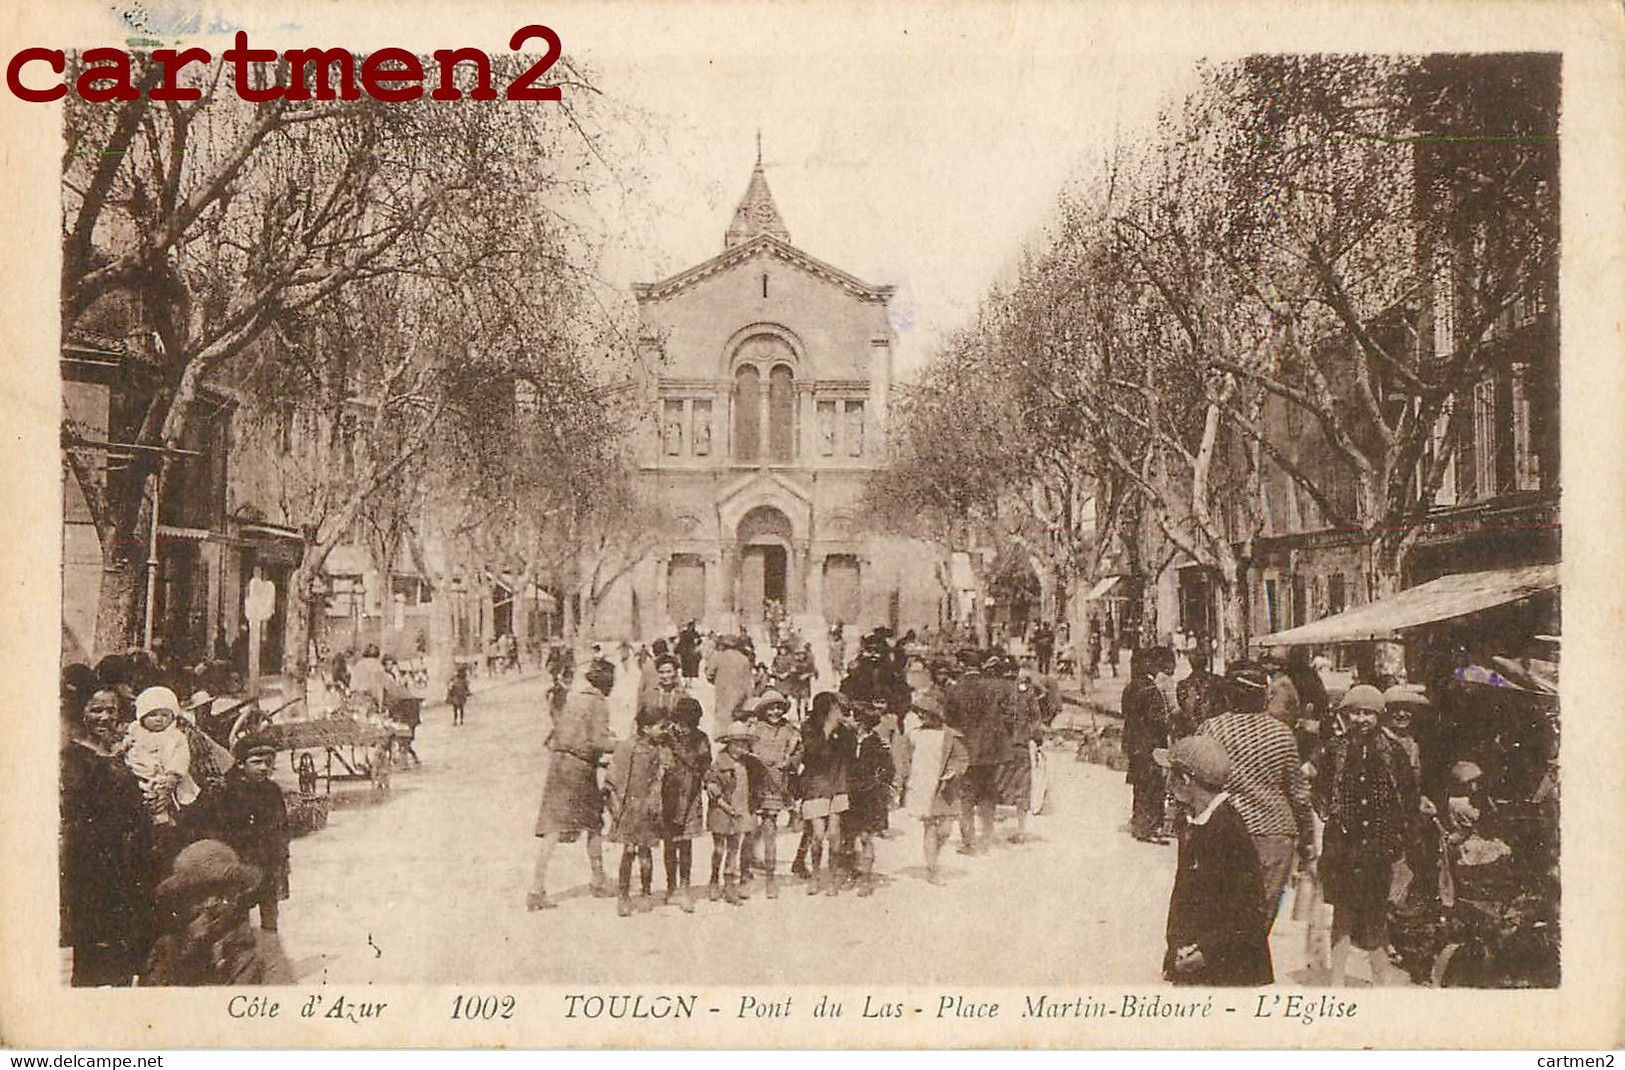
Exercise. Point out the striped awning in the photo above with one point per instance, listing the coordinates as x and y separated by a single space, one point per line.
1445 598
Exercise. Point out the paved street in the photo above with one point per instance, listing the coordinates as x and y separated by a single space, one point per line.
427 884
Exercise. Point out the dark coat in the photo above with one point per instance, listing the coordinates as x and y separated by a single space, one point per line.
1218 905
869 782
107 854
682 792
254 822
634 781
826 761
980 708
1145 726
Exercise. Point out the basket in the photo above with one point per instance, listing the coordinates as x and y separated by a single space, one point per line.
306 813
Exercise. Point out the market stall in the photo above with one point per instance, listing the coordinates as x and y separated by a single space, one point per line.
1478 901
361 743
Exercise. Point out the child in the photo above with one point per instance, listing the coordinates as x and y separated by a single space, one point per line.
777 747
634 783
728 783
869 793
827 746
206 939
457 693
939 758
1218 929
686 759
157 753
254 822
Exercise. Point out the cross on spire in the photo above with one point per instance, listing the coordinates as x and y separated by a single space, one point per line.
756 213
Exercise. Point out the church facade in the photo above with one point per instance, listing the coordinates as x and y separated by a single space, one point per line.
766 412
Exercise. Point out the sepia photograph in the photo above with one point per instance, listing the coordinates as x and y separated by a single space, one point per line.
918 510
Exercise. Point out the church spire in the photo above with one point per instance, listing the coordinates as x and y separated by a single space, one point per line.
756 214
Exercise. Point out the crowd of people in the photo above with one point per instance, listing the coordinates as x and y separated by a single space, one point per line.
834 766
168 839
1269 779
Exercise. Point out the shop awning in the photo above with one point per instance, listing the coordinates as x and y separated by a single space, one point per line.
1102 587
1445 598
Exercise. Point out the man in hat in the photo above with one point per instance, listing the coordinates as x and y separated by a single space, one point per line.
1266 785
254 822
975 707
1146 717
1217 932
1368 794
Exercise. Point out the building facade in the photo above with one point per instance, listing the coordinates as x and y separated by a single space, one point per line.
766 413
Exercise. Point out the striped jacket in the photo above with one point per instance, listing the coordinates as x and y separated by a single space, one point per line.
1267 786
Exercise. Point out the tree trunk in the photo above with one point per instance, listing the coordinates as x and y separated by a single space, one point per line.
1148 613
303 605
1233 622
568 610
119 601
1384 578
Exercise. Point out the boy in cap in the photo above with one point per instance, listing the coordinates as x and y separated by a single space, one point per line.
254 822
1217 930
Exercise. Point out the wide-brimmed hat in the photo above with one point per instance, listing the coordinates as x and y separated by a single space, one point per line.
156 698
207 864
926 702
1202 757
1363 697
770 698
667 659
737 731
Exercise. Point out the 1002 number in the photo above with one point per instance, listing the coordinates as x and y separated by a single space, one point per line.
471 1008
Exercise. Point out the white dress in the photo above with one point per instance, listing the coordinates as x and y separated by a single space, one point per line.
924 771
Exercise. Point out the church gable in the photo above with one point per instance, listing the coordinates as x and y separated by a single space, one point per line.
761 250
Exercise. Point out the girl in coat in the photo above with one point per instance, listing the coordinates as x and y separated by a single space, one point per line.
634 782
728 783
939 759
687 757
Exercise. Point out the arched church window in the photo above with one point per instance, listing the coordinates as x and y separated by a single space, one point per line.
781 402
747 413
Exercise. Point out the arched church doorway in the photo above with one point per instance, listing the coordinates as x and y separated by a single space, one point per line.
764 539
